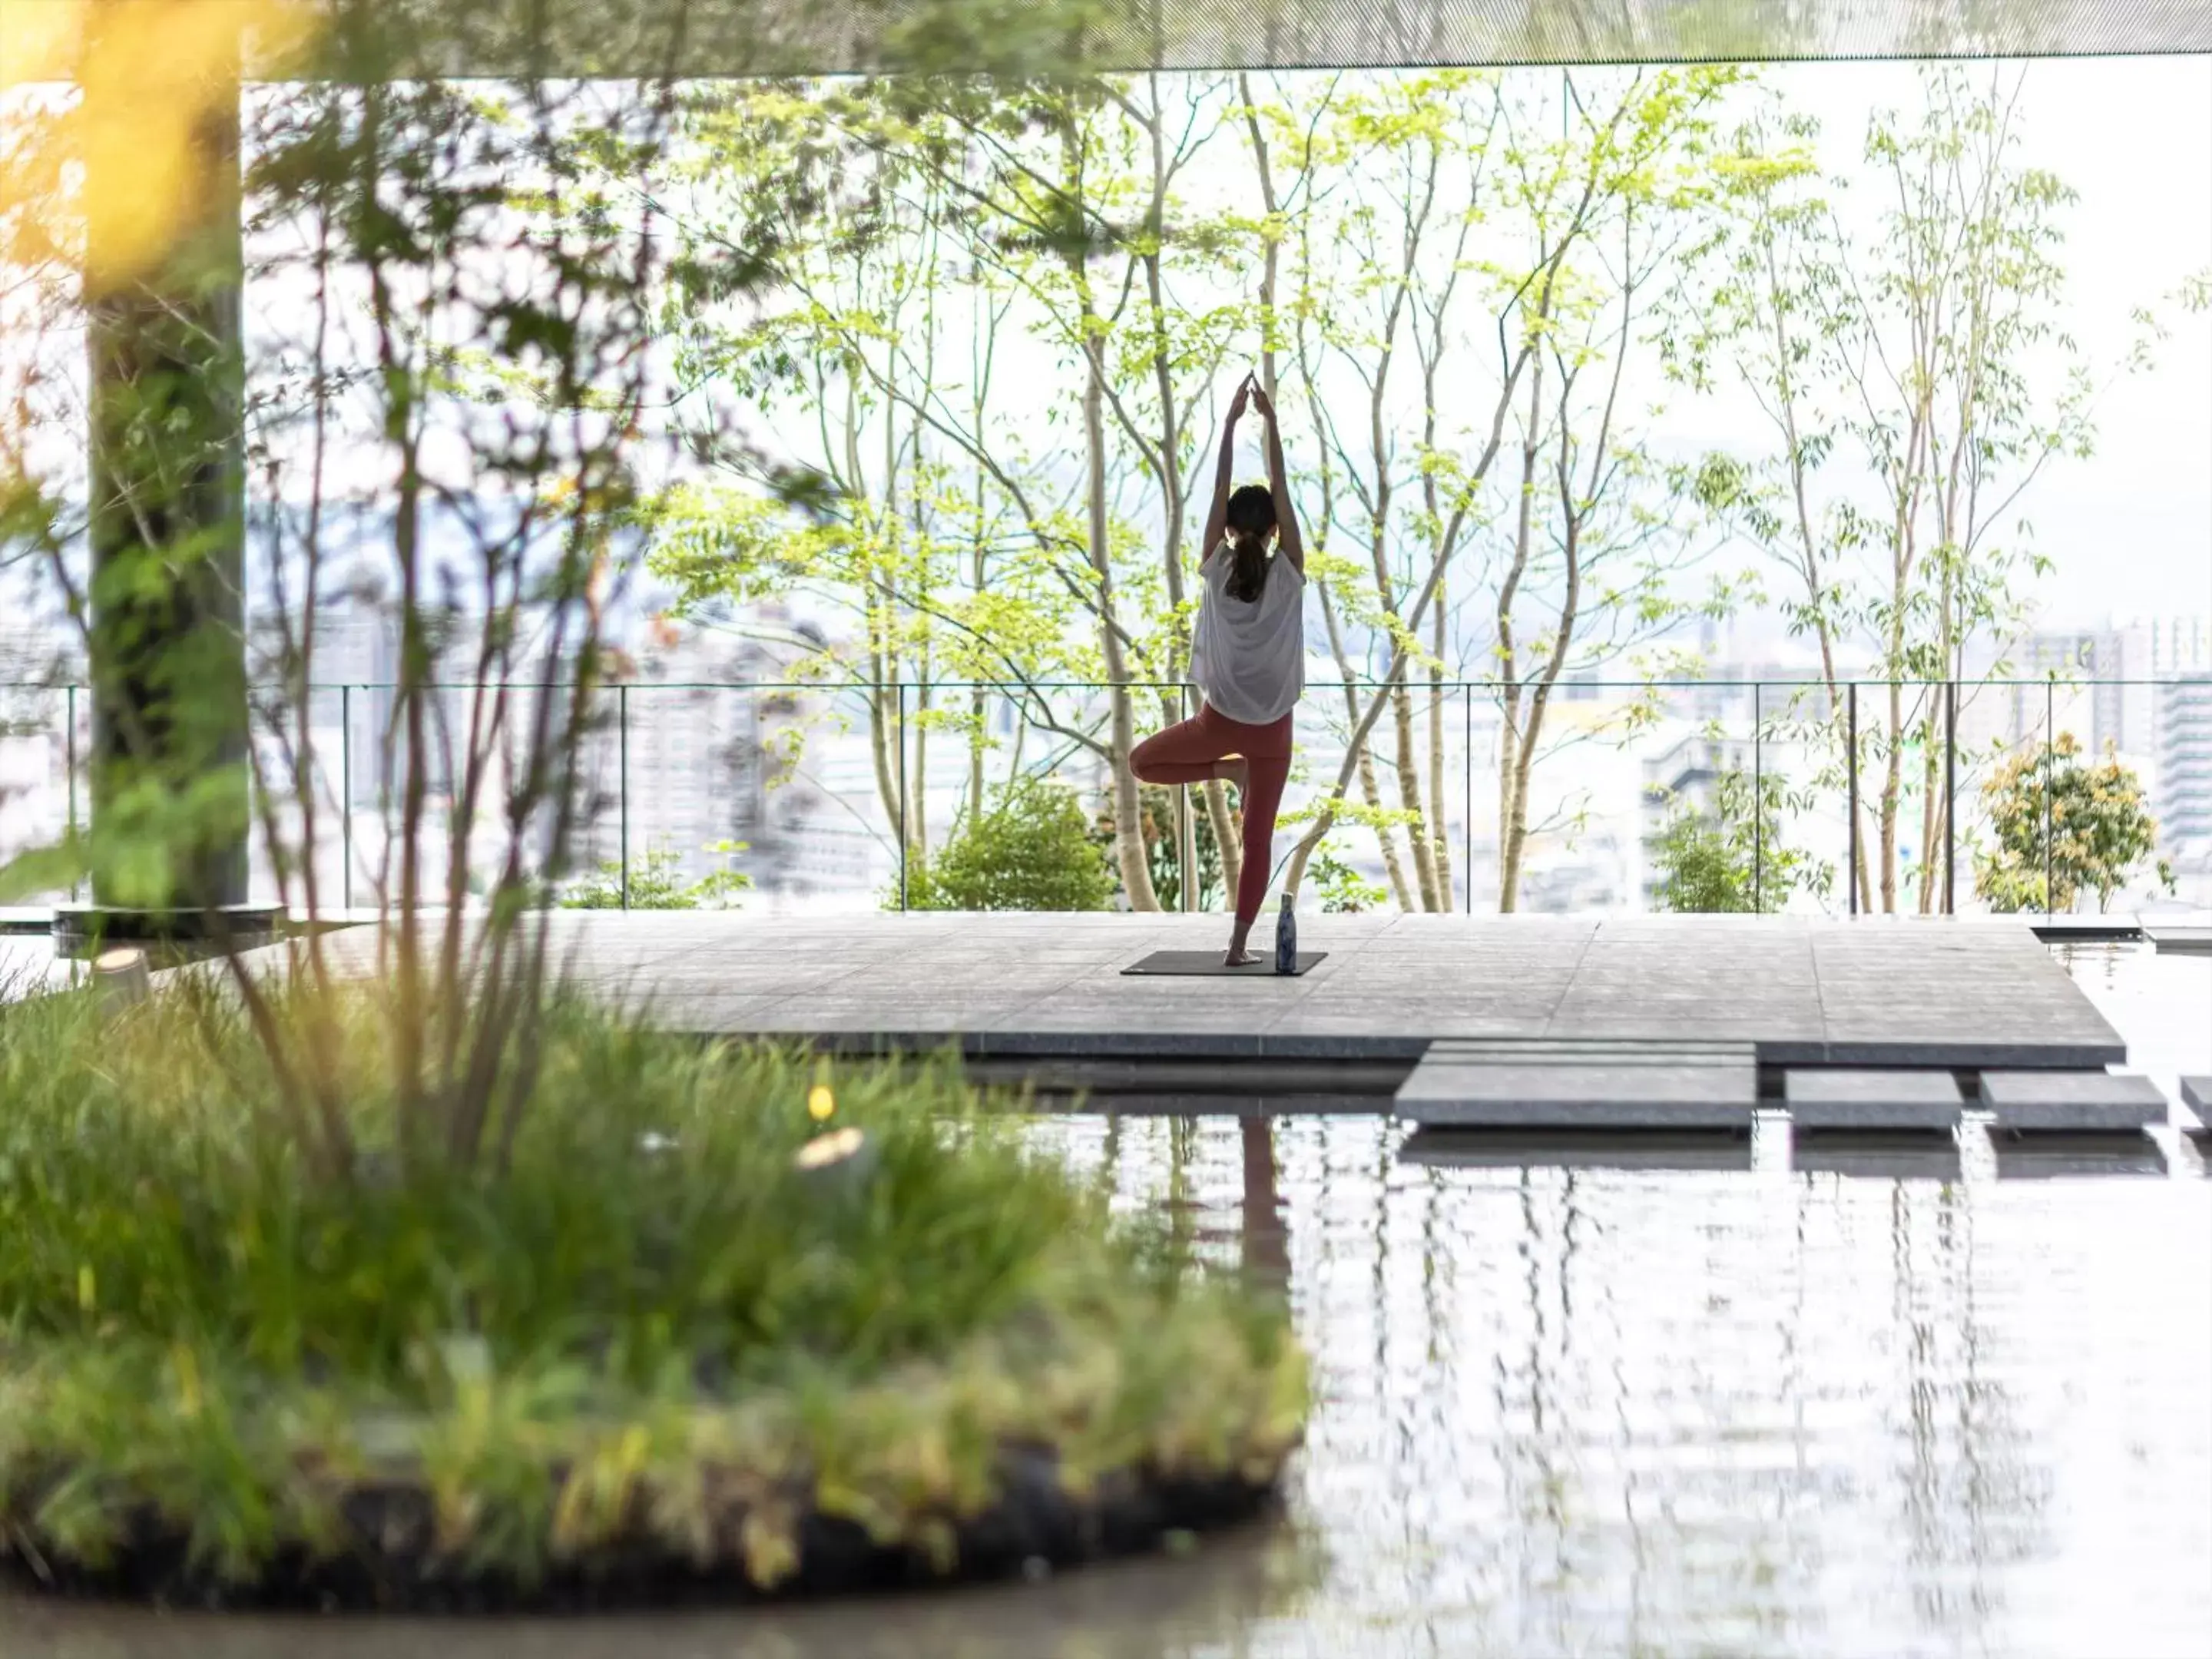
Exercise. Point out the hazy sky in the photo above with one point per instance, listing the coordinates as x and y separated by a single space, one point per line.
2131 529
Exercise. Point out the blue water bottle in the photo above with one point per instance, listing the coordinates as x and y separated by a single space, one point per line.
1286 938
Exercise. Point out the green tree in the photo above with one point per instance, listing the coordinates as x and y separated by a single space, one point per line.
2087 826
1030 848
959 219
467 319
656 883
1917 381
1067 201
1575 554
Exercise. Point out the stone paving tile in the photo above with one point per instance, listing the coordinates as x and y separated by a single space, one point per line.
2197 1094
1836 1098
2071 1100
726 1016
2185 940
1806 990
1321 1034
1716 976
1595 1094
1979 993
1661 1017
1428 1015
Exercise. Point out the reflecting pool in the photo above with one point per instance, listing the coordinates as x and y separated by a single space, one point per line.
1902 1399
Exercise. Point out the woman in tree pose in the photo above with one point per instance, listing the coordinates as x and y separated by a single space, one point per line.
1249 660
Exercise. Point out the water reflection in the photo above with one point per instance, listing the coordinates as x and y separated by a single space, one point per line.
1864 1400
2048 1157
1891 1155
1588 1149
1131 1611
1572 1408
1854 1395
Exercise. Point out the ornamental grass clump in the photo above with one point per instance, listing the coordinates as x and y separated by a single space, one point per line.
650 1356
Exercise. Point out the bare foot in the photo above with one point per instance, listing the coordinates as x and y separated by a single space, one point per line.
1238 958
1235 770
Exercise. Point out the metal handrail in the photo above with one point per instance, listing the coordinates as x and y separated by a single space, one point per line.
1464 687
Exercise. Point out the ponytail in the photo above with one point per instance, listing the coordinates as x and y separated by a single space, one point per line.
1247 566
1250 515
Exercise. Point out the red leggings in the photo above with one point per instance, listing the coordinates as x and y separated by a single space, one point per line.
1186 753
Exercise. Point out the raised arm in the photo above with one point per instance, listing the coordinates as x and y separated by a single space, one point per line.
1290 545
1216 516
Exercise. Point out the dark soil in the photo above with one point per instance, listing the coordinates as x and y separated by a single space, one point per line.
390 1563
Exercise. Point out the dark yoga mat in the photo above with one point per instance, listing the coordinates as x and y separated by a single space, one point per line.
1209 963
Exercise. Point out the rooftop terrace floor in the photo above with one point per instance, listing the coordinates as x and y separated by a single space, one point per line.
1803 990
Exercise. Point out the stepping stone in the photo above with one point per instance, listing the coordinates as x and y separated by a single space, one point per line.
2197 1094
1826 1098
1565 1085
2183 940
2071 1100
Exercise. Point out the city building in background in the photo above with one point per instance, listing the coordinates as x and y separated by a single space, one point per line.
2182 796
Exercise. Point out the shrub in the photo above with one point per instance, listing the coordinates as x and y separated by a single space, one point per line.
656 883
1343 889
1699 872
2085 826
645 1328
1706 859
1030 849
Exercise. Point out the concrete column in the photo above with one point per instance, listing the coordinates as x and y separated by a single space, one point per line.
168 656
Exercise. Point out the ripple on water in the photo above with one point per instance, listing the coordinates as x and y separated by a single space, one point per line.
1582 1410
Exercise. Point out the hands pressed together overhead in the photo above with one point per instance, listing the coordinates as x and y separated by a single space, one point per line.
1250 394
1249 391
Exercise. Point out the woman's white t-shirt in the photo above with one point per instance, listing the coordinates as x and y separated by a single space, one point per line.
1249 656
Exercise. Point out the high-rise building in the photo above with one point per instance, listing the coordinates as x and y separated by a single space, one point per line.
2155 649
36 745
2182 797
711 740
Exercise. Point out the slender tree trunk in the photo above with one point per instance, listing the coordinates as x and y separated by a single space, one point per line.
1512 819
1513 808
1441 840
1809 543
917 778
1891 789
1128 806
882 716
1393 870
1420 831
978 704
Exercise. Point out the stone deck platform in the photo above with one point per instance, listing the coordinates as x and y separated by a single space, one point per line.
1803 991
